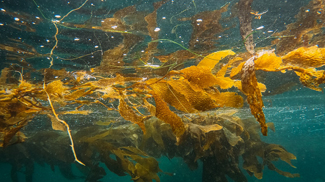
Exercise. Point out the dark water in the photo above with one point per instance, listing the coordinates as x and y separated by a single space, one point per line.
298 114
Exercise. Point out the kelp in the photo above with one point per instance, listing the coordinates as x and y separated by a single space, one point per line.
206 25
270 153
154 132
4 76
191 89
17 109
144 169
161 103
245 21
19 52
197 98
253 93
152 26
221 137
165 114
191 92
249 84
56 124
129 114
112 58
122 22
305 57
304 30
177 56
302 60
172 97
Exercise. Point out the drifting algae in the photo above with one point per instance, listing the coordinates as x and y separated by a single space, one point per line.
148 102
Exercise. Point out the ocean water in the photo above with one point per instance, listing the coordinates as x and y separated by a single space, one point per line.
68 41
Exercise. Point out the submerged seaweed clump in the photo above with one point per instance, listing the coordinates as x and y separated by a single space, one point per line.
134 102
217 139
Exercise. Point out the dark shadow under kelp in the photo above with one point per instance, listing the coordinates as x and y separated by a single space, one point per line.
218 140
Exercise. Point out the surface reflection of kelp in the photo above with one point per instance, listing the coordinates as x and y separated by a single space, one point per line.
217 140
306 31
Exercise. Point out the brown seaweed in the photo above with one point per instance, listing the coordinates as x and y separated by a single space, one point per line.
206 26
245 19
208 137
253 93
164 109
301 32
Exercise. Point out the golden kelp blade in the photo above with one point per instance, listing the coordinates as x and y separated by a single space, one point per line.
224 69
172 96
194 93
310 81
7 133
268 62
202 100
227 99
165 114
253 93
151 20
212 59
236 70
128 114
302 58
203 78
302 61
197 97
306 57
261 86
201 75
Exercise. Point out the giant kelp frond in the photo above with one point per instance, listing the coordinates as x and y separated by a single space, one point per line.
253 93
189 90
156 102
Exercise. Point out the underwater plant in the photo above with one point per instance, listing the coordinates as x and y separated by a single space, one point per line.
135 102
